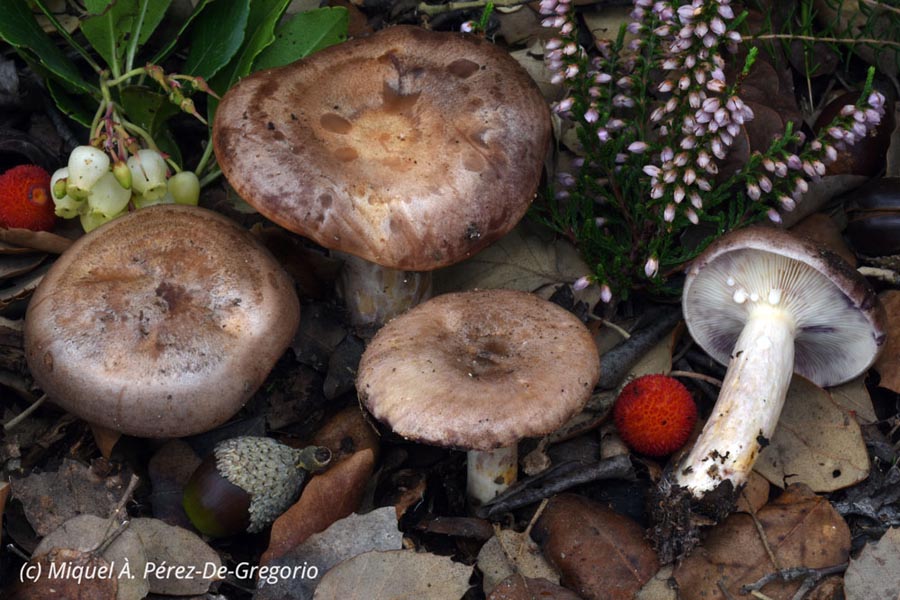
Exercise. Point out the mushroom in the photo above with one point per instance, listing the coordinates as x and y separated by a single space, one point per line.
161 323
479 371
409 149
769 304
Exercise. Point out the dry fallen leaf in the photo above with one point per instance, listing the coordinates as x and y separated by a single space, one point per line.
599 553
43 241
854 397
754 494
125 554
510 552
875 573
105 439
51 587
169 470
338 491
527 258
395 575
802 530
328 497
50 499
516 587
346 538
173 547
816 443
888 364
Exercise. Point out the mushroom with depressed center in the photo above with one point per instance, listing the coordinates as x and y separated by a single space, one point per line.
479 371
405 151
768 304
161 323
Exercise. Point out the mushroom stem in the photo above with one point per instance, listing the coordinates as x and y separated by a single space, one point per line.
374 294
748 407
490 472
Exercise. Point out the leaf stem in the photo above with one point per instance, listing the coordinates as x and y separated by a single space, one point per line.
135 36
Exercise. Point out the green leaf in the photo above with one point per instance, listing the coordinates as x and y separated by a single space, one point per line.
151 110
216 37
264 15
19 29
164 52
303 34
156 10
107 27
78 107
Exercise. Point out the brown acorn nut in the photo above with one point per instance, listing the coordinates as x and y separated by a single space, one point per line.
246 483
873 225
867 156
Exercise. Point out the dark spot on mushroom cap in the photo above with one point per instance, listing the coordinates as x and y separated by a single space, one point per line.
335 123
463 68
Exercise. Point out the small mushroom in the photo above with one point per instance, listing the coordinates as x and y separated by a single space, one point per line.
409 149
161 323
769 304
479 371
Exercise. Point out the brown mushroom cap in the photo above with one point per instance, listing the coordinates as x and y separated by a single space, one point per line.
838 319
411 149
161 323
479 370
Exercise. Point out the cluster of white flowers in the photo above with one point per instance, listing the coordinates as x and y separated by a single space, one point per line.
95 190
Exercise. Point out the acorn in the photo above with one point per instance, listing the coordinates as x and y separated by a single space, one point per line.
246 483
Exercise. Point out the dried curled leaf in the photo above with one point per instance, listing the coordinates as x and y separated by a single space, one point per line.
816 443
395 575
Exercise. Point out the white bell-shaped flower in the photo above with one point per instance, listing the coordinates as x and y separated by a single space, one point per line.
108 198
185 188
86 166
66 207
148 173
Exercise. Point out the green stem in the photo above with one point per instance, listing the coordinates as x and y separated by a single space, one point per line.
204 160
135 36
210 178
125 76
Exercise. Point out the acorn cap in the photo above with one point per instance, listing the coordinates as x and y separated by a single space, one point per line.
479 370
247 482
161 323
409 148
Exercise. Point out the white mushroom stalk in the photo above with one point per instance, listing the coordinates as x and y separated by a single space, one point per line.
489 473
748 406
374 294
769 304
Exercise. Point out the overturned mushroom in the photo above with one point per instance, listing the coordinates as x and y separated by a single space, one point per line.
769 304
408 149
479 371
161 323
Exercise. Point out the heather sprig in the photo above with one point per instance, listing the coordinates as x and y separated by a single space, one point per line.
655 118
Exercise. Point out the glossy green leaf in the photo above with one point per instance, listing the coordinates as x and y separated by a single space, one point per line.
303 34
107 27
264 15
151 111
170 45
78 107
19 29
216 37
156 10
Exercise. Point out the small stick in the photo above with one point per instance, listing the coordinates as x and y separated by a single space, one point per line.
700 376
793 573
24 414
554 480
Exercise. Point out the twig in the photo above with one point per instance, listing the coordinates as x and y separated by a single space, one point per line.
607 323
792 573
762 537
554 480
616 362
728 595
694 375
24 414
885 275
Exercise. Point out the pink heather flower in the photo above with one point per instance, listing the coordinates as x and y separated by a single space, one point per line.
651 267
696 200
847 110
652 171
565 179
800 185
571 71
873 117
602 78
689 176
773 215
581 283
794 163
594 91
717 25
678 194
765 184
780 169
787 203
565 105
638 147
876 100
634 27
467 27
603 135
570 49
666 154
657 191
669 213
716 85
599 221
567 26
753 191
692 216
605 294
819 167
553 44
703 184
725 11
615 124
830 153
622 101
591 115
